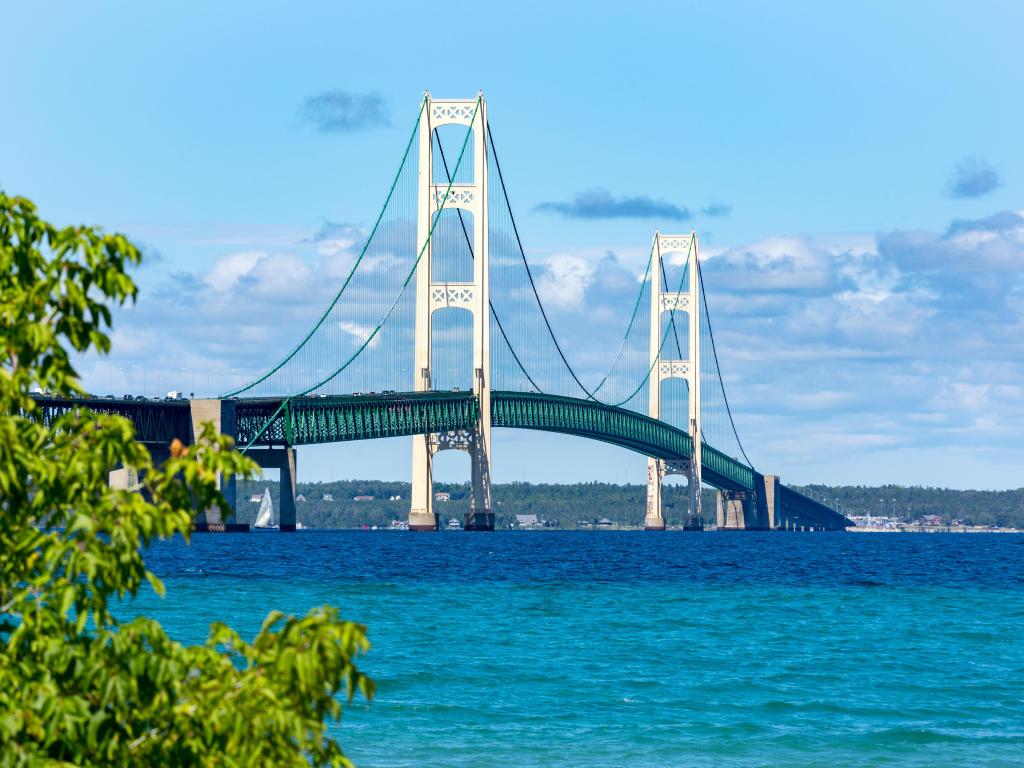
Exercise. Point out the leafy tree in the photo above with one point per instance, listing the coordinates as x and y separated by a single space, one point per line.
78 687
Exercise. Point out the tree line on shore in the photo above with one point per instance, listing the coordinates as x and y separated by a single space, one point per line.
346 503
1004 509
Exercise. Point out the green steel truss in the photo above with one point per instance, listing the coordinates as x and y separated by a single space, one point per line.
618 426
310 420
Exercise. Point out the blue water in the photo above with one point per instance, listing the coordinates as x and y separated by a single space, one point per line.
623 649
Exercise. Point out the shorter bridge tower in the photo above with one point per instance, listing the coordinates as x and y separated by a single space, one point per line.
473 296
688 301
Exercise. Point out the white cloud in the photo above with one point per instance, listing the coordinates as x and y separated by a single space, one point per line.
564 283
360 332
830 344
281 275
226 271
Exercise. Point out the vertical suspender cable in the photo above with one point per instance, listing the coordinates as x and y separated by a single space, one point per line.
469 245
719 369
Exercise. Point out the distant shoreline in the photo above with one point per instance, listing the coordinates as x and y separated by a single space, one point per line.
933 529
679 529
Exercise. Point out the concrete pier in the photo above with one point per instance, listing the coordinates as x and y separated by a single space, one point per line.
123 479
422 521
769 500
735 511
221 415
478 521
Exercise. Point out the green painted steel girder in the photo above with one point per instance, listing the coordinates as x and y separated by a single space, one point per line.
619 426
311 420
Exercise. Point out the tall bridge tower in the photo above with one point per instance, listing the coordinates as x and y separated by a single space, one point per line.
432 296
664 300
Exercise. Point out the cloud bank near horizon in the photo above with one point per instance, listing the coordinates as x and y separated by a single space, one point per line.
882 343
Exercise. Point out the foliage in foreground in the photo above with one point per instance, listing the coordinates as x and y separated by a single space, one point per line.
77 687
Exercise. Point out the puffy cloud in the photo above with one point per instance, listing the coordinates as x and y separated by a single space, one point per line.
994 243
830 345
257 274
564 283
340 111
782 264
909 344
599 203
284 276
226 272
973 176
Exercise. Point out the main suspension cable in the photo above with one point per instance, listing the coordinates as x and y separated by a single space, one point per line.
415 264
671 315
529 273
718 368
351 273
469 245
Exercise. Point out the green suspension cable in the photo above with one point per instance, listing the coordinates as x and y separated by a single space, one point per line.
351 273
529 273
391 309
264 428
664 336
469 245
632 319
412 271
718 368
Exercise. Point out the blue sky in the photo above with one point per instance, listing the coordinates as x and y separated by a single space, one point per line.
854 171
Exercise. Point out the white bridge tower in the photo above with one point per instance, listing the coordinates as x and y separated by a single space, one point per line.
473 296
688 301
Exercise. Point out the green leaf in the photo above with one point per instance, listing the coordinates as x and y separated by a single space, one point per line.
77 687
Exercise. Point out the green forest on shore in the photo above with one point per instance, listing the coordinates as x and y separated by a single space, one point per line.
570 506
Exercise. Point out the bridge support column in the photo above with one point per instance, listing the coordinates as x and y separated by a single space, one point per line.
128 479
654 520
685 301
769 500
480 516
658 470
473 296
221 413
282 459
421 514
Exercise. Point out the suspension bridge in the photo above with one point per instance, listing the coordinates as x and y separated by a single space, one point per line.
439 331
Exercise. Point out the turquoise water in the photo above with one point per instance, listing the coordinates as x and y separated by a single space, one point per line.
677 649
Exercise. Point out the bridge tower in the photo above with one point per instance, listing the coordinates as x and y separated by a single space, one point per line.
688 301
473 296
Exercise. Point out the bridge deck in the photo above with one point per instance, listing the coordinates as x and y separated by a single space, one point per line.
316 420
311 420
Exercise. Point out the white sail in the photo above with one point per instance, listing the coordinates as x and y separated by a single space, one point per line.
265 518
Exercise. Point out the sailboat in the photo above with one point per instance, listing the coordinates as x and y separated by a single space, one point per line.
265 517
